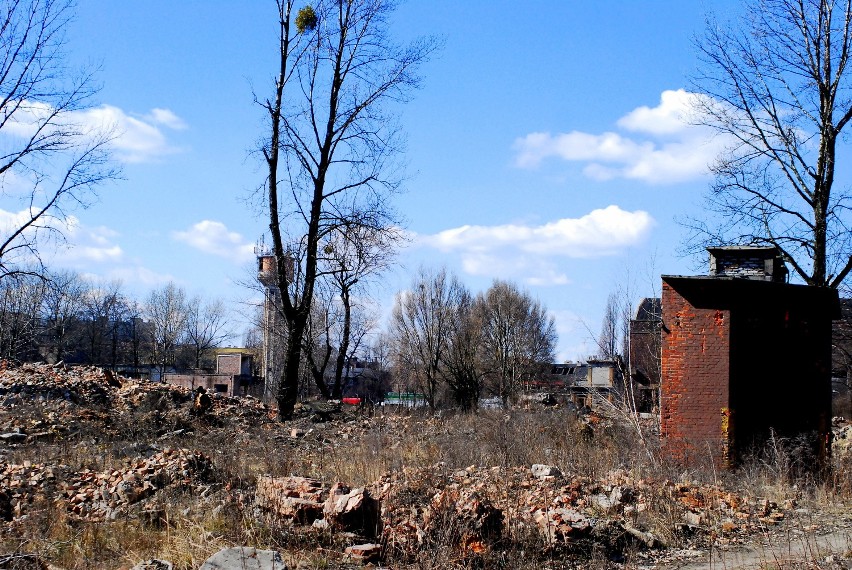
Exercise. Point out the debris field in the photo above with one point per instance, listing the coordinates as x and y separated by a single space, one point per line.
102 448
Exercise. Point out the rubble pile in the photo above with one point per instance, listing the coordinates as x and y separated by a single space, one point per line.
468 520
304 501
842 440
560 509
298 499
22 485
103 495
709 505
246 408
45 410
70 395
99 495
351 510
476 509
44 383
139 395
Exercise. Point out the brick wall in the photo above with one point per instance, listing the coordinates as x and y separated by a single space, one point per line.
695 386
743 361
229 364
222 383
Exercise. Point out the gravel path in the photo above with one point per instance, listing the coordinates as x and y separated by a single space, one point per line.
809 548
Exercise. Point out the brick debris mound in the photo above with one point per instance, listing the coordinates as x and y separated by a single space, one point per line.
140 445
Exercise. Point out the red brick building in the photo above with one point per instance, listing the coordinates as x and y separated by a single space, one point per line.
233 377
744 355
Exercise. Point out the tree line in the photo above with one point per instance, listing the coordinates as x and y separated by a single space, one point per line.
455 347
61 316
442 342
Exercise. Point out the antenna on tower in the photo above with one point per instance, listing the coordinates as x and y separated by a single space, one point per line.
260 248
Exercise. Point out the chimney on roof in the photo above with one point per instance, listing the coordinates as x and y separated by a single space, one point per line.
748 262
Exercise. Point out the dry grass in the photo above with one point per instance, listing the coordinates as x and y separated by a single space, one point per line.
186 529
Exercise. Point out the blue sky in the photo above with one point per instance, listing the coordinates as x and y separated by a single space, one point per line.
547 146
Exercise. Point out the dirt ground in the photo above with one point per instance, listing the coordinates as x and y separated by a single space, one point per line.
103 472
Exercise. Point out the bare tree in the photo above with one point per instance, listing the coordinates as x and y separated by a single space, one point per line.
378 350
139 337
207 327
319 337
421 326
20 299
614 339
632 341
104 308
777 87
167 310
610 339
336 329
62 307
331 146
518 337
461 368
363 320
50 160
350 256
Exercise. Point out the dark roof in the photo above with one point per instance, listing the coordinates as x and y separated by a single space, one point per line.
572 369
650 309
744 249
722 292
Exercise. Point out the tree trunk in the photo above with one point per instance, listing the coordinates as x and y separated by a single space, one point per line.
320 383
344 344
317 371
288 389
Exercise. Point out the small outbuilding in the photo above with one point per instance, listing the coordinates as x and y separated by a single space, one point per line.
745 356
233 376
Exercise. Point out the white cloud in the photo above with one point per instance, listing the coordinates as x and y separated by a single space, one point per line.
81 245
215 238
93 251
137 139
598 233
166 118
139 276
575 145
9 221
662 146
88 245
534 271
24 119
548 276
670 117
18 185
134 138
514 250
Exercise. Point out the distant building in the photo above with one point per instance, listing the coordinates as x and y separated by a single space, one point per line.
365 380
236 362
600 382
645 355
561 378
233 377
